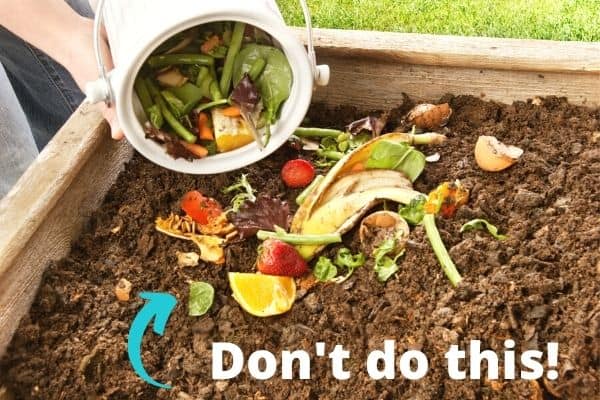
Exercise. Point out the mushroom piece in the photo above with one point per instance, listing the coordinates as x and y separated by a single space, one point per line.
492 155
381 226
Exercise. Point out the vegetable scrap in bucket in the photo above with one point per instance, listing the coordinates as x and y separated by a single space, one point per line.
213 89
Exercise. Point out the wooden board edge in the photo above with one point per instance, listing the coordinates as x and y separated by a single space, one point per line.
26 206
62 225
458 51
430 83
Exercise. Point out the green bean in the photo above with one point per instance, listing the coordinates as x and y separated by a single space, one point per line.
175 104
317 132
299 239
309 189
330 155
234 49
178 128
257 68
180 59
203 75
155 116
143 94
215 92
212 104
208 85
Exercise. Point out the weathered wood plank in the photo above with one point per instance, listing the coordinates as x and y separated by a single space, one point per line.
373 69
377 84
459 51
45 211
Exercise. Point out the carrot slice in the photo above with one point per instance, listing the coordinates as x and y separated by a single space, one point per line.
233 111
205 132
195 149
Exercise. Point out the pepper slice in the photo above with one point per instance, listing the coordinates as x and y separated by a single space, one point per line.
200 208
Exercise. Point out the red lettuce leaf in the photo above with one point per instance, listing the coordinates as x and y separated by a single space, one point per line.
371 123
245 94
265 213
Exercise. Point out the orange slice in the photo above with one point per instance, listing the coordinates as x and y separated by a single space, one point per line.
263 295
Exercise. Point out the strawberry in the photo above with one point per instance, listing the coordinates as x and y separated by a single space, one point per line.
297 173
278 258
202 209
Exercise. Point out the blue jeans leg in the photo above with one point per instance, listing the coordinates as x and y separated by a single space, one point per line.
45 89
17 148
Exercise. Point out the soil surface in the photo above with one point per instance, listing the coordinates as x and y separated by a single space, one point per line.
540 285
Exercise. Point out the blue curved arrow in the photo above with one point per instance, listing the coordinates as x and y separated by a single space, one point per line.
159 307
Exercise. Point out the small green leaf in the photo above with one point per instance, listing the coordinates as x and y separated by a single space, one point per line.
325 270
413 213
345 259
244 192
481 224
202 295
386 266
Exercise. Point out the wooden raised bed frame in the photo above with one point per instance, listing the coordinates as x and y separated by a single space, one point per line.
48 207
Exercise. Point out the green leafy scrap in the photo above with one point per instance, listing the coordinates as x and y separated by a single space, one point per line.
413 212
481 224
244 192
385 265
201 299
325 270
397 156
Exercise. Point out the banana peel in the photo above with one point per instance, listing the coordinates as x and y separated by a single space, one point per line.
351 163
340 214
348 192
365 180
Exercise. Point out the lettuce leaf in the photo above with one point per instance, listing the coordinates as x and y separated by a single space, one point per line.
397 156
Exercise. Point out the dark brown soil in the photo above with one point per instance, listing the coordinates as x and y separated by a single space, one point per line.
540 285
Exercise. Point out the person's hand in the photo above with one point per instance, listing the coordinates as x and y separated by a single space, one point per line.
80 61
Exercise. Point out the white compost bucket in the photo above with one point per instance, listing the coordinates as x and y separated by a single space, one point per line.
136 28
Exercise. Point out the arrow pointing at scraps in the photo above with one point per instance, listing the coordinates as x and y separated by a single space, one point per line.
159 307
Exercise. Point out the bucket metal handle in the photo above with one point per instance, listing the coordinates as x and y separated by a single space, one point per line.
101 89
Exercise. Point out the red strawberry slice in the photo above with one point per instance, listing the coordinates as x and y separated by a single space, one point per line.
297 173
279 258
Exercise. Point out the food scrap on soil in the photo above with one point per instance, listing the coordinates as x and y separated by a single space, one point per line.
535 286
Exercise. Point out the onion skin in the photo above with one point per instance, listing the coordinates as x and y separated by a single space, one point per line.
429 116
491 155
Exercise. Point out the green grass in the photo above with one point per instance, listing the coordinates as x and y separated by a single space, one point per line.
535 19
